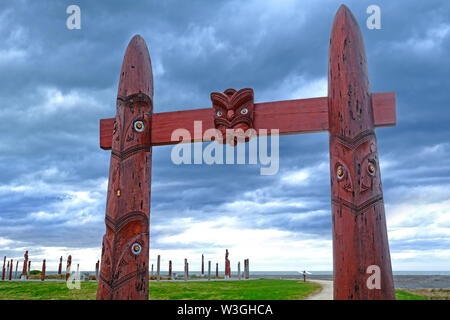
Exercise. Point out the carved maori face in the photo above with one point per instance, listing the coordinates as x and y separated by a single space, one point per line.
363 182
233 110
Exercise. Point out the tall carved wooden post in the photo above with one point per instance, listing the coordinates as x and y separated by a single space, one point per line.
68 266
239 270
125 252
359 226
170 269
209 270
3 270
97 266
203 265
185 270
25 263
43 271
10 270
158 268
60 266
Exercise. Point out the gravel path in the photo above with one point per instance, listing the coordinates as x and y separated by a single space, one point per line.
326 293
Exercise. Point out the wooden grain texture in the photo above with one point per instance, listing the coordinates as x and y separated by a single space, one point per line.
359 224
289 116
125 247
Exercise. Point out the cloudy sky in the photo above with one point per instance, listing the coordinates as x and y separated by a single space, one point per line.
56 83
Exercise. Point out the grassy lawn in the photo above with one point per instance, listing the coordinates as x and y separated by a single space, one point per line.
36 290
232 290
263 289
403 295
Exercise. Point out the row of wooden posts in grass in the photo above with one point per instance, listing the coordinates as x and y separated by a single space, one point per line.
171 275
7 270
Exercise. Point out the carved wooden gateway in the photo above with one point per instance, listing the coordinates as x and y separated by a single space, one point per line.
350 113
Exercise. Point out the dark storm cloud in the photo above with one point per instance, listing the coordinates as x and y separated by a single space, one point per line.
55 84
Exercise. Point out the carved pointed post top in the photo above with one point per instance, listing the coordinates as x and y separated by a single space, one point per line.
136 74
348 80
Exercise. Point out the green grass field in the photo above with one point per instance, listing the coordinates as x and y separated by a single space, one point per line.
263 289
403 295
232 290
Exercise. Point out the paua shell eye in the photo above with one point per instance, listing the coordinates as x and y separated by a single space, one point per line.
136 248
219 113
371 168
139 126
340 172
244 111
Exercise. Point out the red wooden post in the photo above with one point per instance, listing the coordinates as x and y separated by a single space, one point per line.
125 252
203 265
4 270
69 264
227 266
43 271
170 269
97 266
10 270
25 262
60 266
7 270
359 224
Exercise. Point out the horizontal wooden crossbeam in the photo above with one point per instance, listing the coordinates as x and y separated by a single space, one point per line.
290 117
